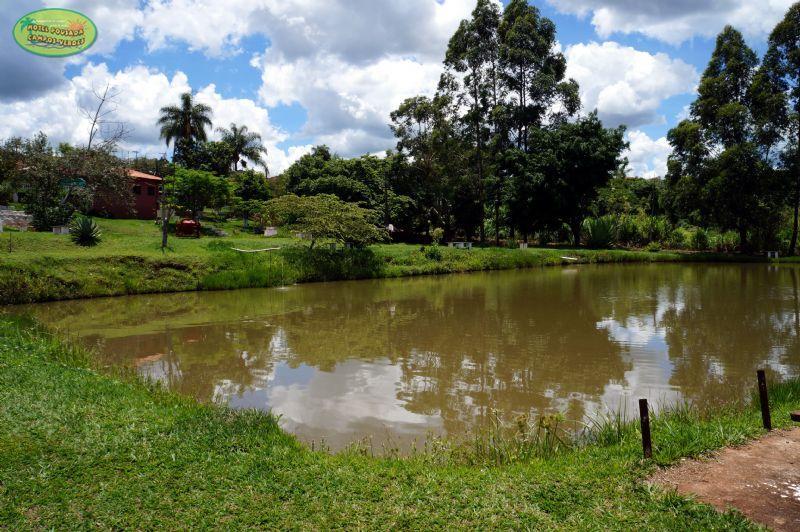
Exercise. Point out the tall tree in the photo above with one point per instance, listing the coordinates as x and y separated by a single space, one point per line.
779 80
185 123
427 133
244 143
473 52
717 162
580 158
533 71
194 190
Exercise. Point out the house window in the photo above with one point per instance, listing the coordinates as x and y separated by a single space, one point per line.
137 190
151 191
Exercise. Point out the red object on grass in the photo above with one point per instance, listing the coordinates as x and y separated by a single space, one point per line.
188 227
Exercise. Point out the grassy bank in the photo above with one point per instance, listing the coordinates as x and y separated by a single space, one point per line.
38 267
80 449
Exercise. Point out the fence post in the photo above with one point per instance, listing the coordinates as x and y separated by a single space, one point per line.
763 396
644 415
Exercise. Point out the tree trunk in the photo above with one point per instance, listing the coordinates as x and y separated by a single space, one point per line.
743 240
796 201
497 222
576 233
164 227
479 145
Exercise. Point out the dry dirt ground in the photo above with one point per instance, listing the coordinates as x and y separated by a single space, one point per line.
761 480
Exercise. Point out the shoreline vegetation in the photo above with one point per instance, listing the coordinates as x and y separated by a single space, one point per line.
82 446
39 267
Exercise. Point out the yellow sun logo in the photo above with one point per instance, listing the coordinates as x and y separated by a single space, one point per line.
77 25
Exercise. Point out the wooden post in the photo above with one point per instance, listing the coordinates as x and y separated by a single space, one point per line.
644 415
764 397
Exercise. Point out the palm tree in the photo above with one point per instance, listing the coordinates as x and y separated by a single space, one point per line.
26 22
244 144
183 124
187 121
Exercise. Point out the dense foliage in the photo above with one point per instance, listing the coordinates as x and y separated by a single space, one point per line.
54 184
324 217
498 152
194 190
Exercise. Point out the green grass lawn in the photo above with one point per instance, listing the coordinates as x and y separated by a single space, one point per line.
80 449
122 238
42 266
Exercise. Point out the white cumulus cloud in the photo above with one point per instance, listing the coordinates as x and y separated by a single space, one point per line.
627 85
675 21
348 105
142 92
647 157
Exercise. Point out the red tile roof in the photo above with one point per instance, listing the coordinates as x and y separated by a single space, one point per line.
141 175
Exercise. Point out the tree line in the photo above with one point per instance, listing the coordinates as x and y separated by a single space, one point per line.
498 151
735 159
502 152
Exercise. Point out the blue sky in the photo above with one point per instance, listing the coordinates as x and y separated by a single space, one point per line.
306 72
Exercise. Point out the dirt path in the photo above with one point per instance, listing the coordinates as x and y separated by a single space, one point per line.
762 480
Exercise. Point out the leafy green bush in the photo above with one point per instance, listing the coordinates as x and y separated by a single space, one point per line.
627 230
433 252
325 217
725 242
699 240
653 247
437 235
653 229
599 232
678 238
84 231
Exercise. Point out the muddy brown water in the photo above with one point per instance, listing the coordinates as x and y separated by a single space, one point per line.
398 360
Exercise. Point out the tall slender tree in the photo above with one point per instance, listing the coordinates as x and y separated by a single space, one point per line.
184 123
730 186
779 79
244 143
472 52
533 71
533 75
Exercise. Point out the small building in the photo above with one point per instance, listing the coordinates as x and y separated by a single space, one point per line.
146 191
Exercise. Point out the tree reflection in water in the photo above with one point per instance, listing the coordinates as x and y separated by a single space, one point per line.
403 357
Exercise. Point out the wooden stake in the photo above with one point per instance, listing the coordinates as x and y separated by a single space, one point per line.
644 415
763 395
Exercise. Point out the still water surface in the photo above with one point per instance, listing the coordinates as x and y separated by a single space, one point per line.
400 359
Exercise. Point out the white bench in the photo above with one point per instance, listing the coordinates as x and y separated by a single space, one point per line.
460 245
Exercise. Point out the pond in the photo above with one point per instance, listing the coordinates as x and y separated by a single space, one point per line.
398 360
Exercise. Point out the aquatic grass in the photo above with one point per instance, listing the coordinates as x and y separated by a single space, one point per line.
606 427
524 439
502 442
